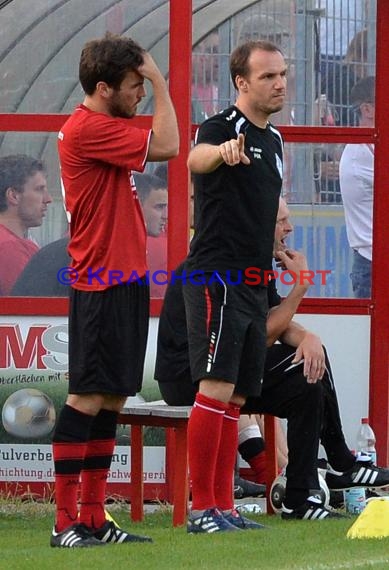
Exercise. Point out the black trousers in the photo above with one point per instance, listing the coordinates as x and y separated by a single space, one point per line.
311 411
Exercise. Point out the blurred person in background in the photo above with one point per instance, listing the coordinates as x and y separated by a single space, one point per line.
338 110
356 184
24 198
153 196
337 83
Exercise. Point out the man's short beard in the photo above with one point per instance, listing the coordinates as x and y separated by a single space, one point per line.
116 110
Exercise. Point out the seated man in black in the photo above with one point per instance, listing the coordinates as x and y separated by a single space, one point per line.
297 385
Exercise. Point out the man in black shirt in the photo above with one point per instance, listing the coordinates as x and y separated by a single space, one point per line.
237 172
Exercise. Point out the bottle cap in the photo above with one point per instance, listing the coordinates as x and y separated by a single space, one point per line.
365 420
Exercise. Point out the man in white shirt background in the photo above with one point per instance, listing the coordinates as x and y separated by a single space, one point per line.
356 175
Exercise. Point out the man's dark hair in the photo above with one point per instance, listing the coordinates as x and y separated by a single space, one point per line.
15 169
145 183
161 171
363 92
240 56
108 59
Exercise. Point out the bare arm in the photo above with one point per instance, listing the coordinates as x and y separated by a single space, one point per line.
294 334
280 316
164 142
308 348
204 158
280 324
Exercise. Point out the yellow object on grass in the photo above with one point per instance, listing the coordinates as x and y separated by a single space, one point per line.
373 522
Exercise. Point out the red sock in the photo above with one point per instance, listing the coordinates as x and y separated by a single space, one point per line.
67 484
258 465
94 482
204 432
96 467
225 466
69 445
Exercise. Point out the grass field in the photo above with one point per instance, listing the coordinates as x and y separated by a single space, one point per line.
284 545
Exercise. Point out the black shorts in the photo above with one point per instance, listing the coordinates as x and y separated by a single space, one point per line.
180 391
227 332
107 339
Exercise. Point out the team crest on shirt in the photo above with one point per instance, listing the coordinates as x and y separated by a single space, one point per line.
257 152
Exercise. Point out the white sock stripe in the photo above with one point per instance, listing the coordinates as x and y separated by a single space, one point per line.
222 412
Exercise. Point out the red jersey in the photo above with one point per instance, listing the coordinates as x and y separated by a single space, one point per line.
107 231
15 252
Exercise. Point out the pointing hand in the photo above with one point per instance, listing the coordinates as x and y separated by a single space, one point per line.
232 151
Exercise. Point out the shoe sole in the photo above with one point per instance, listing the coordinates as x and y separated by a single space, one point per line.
78 545
356 485
202 531
330 516
213 531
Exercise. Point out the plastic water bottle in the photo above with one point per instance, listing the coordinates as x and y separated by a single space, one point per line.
354 500
366 440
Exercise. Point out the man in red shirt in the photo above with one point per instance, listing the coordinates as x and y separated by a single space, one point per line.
23 203
108 321
153 196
